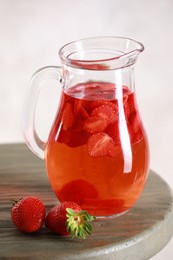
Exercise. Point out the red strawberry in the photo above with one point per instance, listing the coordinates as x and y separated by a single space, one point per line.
126 107
98 103
135 128
113 131
67 117
95 124
83 112
79 108
68 218
78 190
134 121
64 136
131 102
135 137
129 105
106 112
28 214
101 144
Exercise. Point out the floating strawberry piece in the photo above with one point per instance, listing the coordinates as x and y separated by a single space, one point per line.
106 112
77 191
134 122
67 117
134 128
95 124
113 131
77 106
131 102
79 109
135 137
84 113
64 136
101 144
98 103
129 106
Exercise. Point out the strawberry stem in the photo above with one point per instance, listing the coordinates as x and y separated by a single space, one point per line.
78 223
15 201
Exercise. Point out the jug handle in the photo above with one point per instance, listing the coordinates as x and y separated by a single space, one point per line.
32 139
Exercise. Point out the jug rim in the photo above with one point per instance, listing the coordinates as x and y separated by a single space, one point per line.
126 56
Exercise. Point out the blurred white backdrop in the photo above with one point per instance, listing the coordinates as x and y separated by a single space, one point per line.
31 33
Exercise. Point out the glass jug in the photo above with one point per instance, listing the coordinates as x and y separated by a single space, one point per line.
97 151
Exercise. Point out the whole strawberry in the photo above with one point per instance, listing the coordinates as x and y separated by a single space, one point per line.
68 218
28 214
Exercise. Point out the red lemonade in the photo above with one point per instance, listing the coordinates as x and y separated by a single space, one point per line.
97 152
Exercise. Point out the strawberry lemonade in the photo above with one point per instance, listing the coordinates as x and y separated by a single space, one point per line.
97 152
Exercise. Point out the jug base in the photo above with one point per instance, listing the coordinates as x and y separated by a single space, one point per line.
111 216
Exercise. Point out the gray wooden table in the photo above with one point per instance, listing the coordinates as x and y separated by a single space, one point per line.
137 235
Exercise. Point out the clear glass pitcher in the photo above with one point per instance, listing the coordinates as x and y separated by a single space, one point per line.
97 151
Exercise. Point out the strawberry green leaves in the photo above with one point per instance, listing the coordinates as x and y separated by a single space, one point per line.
78 223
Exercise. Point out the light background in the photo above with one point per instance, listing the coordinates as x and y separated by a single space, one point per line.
32 31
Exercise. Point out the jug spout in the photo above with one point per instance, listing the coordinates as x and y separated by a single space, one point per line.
101 53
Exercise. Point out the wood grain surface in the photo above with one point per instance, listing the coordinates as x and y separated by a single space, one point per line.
137 235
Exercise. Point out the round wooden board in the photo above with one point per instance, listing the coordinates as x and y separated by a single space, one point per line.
139 234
